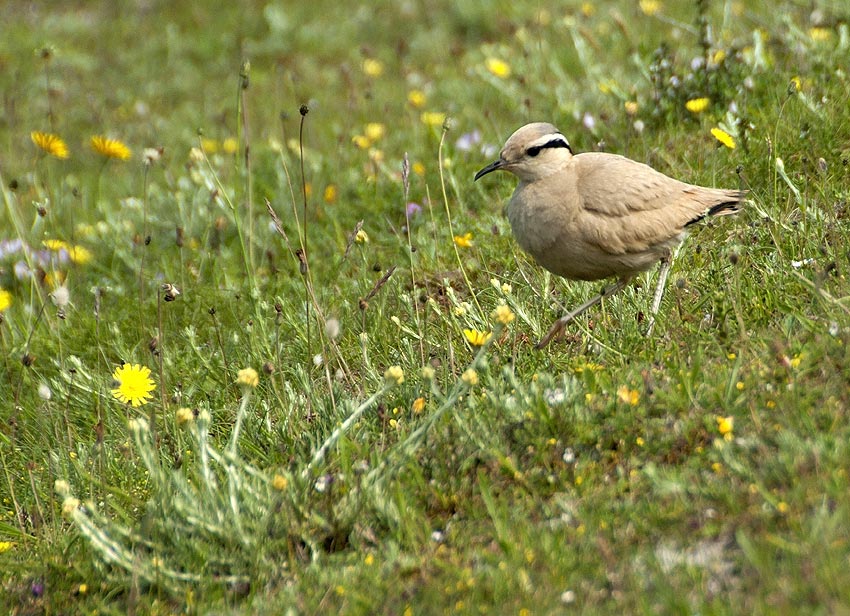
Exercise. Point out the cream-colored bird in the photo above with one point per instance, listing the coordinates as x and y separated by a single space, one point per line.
595 215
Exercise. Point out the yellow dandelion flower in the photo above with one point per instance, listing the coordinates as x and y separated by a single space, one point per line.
725 425
330 194
110 148
470 377
280 483
782 507
209 146
418 405
416 99
55 245
79 255
698 105
463 241
723 137
361 141
650 7
433 118
134 384
50 143
5 300
628 396
503 314
5 546
394 375
476 338
418 168
499 68
375 131
369 560
248 377
372 67
230 146
820 34
631 107
796 83
719 56
588 9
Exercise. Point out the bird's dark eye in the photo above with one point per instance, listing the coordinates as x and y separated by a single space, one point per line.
534 150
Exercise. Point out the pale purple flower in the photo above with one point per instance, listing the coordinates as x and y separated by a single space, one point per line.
467 140
412 209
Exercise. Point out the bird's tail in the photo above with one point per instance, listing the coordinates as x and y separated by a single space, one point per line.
730 202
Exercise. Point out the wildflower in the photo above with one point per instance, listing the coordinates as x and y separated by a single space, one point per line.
418 405
499 68
375 131
55 245
110 148
782 507
697 105
418 168
210 146
463 241
650 7
280 483
50 143
332 328
394 375
503 314
361 141
433 118
369 560
362 237
151 155
796 84
416 98
412 209
428 373
372 67
44 392
134 384
79 254
70 505
723 137
628 396
470 377
184 416
229 146
60 296
820 34
248 377
719 56
476 338
466 141
5 546
330 194
61 487
5 299
631 107
725 425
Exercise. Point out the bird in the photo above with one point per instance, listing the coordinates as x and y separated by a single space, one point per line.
596 215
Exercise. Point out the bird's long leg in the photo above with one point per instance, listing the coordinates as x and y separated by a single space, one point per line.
559 325
663 271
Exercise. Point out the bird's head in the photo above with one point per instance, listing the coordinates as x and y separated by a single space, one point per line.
532 152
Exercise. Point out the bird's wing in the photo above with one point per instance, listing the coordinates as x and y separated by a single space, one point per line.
630 207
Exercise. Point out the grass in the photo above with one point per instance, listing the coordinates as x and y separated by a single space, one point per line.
382 463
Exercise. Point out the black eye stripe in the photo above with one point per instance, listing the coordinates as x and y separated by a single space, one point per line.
553 143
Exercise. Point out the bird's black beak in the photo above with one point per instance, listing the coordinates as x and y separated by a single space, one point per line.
491 167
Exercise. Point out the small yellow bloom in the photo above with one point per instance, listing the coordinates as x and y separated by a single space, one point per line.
719 56
697 105
739 386
476 338
79 255
229 146
418 168
280 483
375 131
782 507
69 506
631 107
470 377
723 137
796 360
640 442
209 146
369 560
134 384
725 425
428 373
503 314
82 589
820 34
433 118
587 9
330 194
796 83
771 404
5 546
55 245
463 241
361 141
731 356
51 144
418 405
650 7
499 68
416 98
628 396
110 148
362 237
248 377
372 67
184 415
394 375
5 299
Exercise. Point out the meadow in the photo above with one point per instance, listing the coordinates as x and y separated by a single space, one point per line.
267 349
